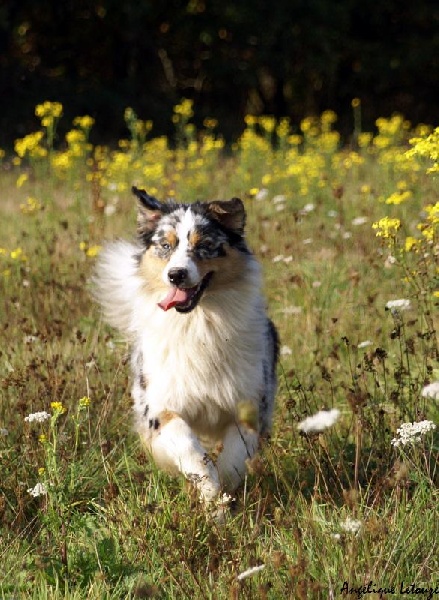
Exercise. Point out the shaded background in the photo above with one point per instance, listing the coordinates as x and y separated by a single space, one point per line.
286 57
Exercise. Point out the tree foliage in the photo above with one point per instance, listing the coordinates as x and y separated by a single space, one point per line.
290 57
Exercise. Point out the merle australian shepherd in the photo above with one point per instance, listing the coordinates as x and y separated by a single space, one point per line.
187 296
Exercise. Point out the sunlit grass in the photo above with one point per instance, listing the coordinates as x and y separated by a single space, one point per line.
342 227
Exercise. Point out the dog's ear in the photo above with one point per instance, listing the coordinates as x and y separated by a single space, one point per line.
229 213
149 211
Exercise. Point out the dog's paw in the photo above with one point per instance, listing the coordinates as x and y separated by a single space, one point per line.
220 510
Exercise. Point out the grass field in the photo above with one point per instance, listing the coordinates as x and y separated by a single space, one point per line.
342 227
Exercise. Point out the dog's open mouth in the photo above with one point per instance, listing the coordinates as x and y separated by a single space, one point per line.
185 299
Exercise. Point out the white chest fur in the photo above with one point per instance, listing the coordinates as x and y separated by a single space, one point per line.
207 360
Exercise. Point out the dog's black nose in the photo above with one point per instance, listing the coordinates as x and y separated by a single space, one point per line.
177 276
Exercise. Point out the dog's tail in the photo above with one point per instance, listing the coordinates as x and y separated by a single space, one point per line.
115 285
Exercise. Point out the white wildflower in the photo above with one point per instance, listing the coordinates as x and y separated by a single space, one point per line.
359 221
288 259
280 207
431 391
402 304
278 258
38 417
364 344
411 433
332 213
320 421
351 525
285 351
307 208
3 432
347 235
307 241
39 490
279 199
250 572
390 261
262 194
109 210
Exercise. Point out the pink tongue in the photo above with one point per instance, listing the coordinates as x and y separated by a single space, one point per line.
175 296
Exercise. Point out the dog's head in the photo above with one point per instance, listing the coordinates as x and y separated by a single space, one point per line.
190 248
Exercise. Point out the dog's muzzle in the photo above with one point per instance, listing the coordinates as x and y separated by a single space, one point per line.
183 299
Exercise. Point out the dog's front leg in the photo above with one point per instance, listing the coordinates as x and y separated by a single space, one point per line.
240 444
176 448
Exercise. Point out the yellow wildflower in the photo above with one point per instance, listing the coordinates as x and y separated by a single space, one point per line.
93 251
283 128
267 178
84 402
386 227
308 125
411 243
49 109
18 254
328 117
267 123
75 136
250 120
398 197
30 206
184 109
295 140
30 145
42 438
210 123
57 408
85 122
364 139
22 179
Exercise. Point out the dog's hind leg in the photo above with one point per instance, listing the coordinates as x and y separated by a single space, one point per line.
240 444
176 448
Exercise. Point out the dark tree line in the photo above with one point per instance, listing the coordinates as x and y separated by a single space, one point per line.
284 57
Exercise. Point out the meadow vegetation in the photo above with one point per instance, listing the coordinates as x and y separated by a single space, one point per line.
347 231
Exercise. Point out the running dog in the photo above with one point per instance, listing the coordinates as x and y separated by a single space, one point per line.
187 296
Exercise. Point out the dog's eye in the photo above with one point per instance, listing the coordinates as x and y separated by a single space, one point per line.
166 246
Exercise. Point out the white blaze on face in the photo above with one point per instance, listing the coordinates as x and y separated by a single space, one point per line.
181 258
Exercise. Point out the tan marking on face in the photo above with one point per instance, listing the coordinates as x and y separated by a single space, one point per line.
194 238
171 238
